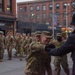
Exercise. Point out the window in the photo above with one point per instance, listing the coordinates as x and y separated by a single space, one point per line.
44 7
64 14
9 5
73 12
57 6
25 9
32 16
43 16
20 8
50 15
64 23
1 5
31 8
58 22
73 4
57 14
37 16
37 8
50 7
64 5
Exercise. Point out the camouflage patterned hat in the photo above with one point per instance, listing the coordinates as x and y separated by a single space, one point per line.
37 33
47 34
1 32
59 34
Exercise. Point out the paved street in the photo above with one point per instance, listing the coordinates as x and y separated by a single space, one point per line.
16 67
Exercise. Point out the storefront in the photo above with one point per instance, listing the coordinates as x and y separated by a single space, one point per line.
7 25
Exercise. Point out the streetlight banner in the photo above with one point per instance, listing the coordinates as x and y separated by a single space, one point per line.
55 19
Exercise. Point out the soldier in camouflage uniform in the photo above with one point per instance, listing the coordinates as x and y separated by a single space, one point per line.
23 40
19 49
9 41
35 64
33 35
60 60
25 43
46 37
29 39
1 46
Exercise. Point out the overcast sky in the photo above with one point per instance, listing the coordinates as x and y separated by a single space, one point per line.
23 0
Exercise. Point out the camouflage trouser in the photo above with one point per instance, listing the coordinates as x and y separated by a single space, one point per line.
21 53
34 74
9 49
1 53
63 62
17 50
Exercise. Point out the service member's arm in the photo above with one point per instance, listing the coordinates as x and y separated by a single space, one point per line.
64 49
37 46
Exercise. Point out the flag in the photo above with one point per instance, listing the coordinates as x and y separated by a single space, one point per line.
55 19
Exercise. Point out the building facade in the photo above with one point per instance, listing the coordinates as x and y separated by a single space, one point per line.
8 16
42 11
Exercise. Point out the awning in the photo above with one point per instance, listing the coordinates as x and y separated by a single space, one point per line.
8 18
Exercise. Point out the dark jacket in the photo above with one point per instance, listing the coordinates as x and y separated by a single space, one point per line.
67 47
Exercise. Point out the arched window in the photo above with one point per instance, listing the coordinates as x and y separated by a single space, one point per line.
73 4
1 5
57 6
9 5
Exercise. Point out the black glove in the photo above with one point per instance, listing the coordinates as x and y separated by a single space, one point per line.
49 47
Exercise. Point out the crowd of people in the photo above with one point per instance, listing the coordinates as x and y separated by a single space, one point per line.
38 60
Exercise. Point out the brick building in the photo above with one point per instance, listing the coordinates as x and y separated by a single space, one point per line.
8 16
40 11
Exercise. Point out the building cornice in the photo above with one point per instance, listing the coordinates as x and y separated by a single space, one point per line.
42 1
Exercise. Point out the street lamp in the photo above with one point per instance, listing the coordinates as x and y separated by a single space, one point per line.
53 17
67 19
33 16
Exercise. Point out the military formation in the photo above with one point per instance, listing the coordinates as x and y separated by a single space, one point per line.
38 61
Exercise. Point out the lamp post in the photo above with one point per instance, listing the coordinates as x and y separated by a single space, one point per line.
53 17
67 19
33 16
